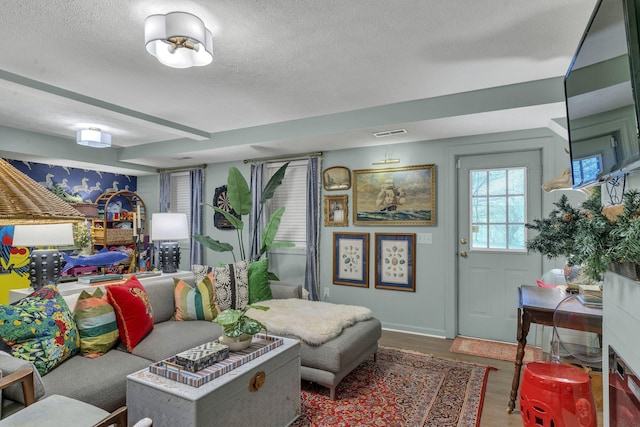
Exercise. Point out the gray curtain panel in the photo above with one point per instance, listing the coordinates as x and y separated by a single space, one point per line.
313 221
255 186
196 178
165 192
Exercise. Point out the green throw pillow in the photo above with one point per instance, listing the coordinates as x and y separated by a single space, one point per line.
259 289
40 328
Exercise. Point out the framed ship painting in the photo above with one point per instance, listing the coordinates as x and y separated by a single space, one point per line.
395 196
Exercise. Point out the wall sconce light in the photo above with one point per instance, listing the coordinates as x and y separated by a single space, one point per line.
93 137
166 228
44 265
178 40
387 160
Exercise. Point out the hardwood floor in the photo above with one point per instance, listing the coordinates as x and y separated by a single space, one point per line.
494 411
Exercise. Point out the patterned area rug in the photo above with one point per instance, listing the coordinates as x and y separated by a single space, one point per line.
493 349
400 389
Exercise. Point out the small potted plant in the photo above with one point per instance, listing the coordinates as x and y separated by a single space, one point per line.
238 328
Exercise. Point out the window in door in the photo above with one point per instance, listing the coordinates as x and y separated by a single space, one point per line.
586 169
498 209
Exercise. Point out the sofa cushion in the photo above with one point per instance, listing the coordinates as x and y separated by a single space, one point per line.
100 381
134 313
259 289
335 355
70 412
96 322
9 365
161 297
195 302
168 338
40 328
281 290
232 285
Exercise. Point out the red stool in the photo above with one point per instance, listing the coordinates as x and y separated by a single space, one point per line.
556 395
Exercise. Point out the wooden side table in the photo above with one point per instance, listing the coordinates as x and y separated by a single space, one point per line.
537 305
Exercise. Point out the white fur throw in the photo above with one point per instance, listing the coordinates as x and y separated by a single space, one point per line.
314 322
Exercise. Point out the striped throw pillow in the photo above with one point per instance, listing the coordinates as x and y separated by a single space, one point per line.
195 302
96 322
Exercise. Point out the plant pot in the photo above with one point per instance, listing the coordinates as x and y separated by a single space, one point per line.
626 269
236 344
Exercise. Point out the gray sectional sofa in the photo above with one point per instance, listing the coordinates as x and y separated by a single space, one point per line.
102 381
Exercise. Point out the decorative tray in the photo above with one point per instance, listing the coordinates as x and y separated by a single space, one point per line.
260 345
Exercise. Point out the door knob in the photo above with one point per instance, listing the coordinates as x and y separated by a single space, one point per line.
463 241
463 254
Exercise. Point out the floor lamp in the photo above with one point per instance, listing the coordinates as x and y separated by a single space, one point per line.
166 228
44 264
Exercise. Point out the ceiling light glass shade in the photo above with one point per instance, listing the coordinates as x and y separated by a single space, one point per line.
178 40
93 138
169 226
43 235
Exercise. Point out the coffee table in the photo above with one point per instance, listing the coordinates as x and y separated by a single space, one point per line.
263 391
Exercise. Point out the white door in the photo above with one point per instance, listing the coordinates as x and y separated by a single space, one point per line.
497 195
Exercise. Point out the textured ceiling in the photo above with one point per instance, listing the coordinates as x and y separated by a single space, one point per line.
287 76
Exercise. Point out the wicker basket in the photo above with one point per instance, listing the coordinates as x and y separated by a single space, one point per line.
119 236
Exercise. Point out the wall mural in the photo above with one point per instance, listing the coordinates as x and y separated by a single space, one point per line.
14 265
72 185
75 185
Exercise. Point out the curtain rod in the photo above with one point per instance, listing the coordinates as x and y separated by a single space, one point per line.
181 169
297 156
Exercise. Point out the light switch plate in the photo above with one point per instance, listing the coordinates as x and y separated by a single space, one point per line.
425 238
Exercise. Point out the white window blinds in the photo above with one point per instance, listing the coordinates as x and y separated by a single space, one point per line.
181 195
292 194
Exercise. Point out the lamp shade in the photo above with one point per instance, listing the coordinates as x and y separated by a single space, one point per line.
43 235
169 226
93 138
178 40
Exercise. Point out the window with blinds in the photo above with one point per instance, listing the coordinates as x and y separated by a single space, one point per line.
181 195
292 194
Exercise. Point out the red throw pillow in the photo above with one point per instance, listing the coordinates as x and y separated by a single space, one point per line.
133 311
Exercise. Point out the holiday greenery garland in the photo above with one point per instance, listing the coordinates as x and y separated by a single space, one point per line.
585 236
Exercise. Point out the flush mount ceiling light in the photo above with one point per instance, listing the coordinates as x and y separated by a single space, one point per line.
93 137
178 40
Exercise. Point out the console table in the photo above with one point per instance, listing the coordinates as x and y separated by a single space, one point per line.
537 305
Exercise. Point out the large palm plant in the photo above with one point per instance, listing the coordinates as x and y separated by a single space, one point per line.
240 200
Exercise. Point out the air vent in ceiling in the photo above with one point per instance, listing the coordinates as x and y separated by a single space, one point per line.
389 133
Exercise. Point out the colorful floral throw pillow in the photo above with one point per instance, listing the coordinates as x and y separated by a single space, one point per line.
40 328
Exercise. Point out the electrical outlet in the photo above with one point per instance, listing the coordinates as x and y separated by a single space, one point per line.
326 292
